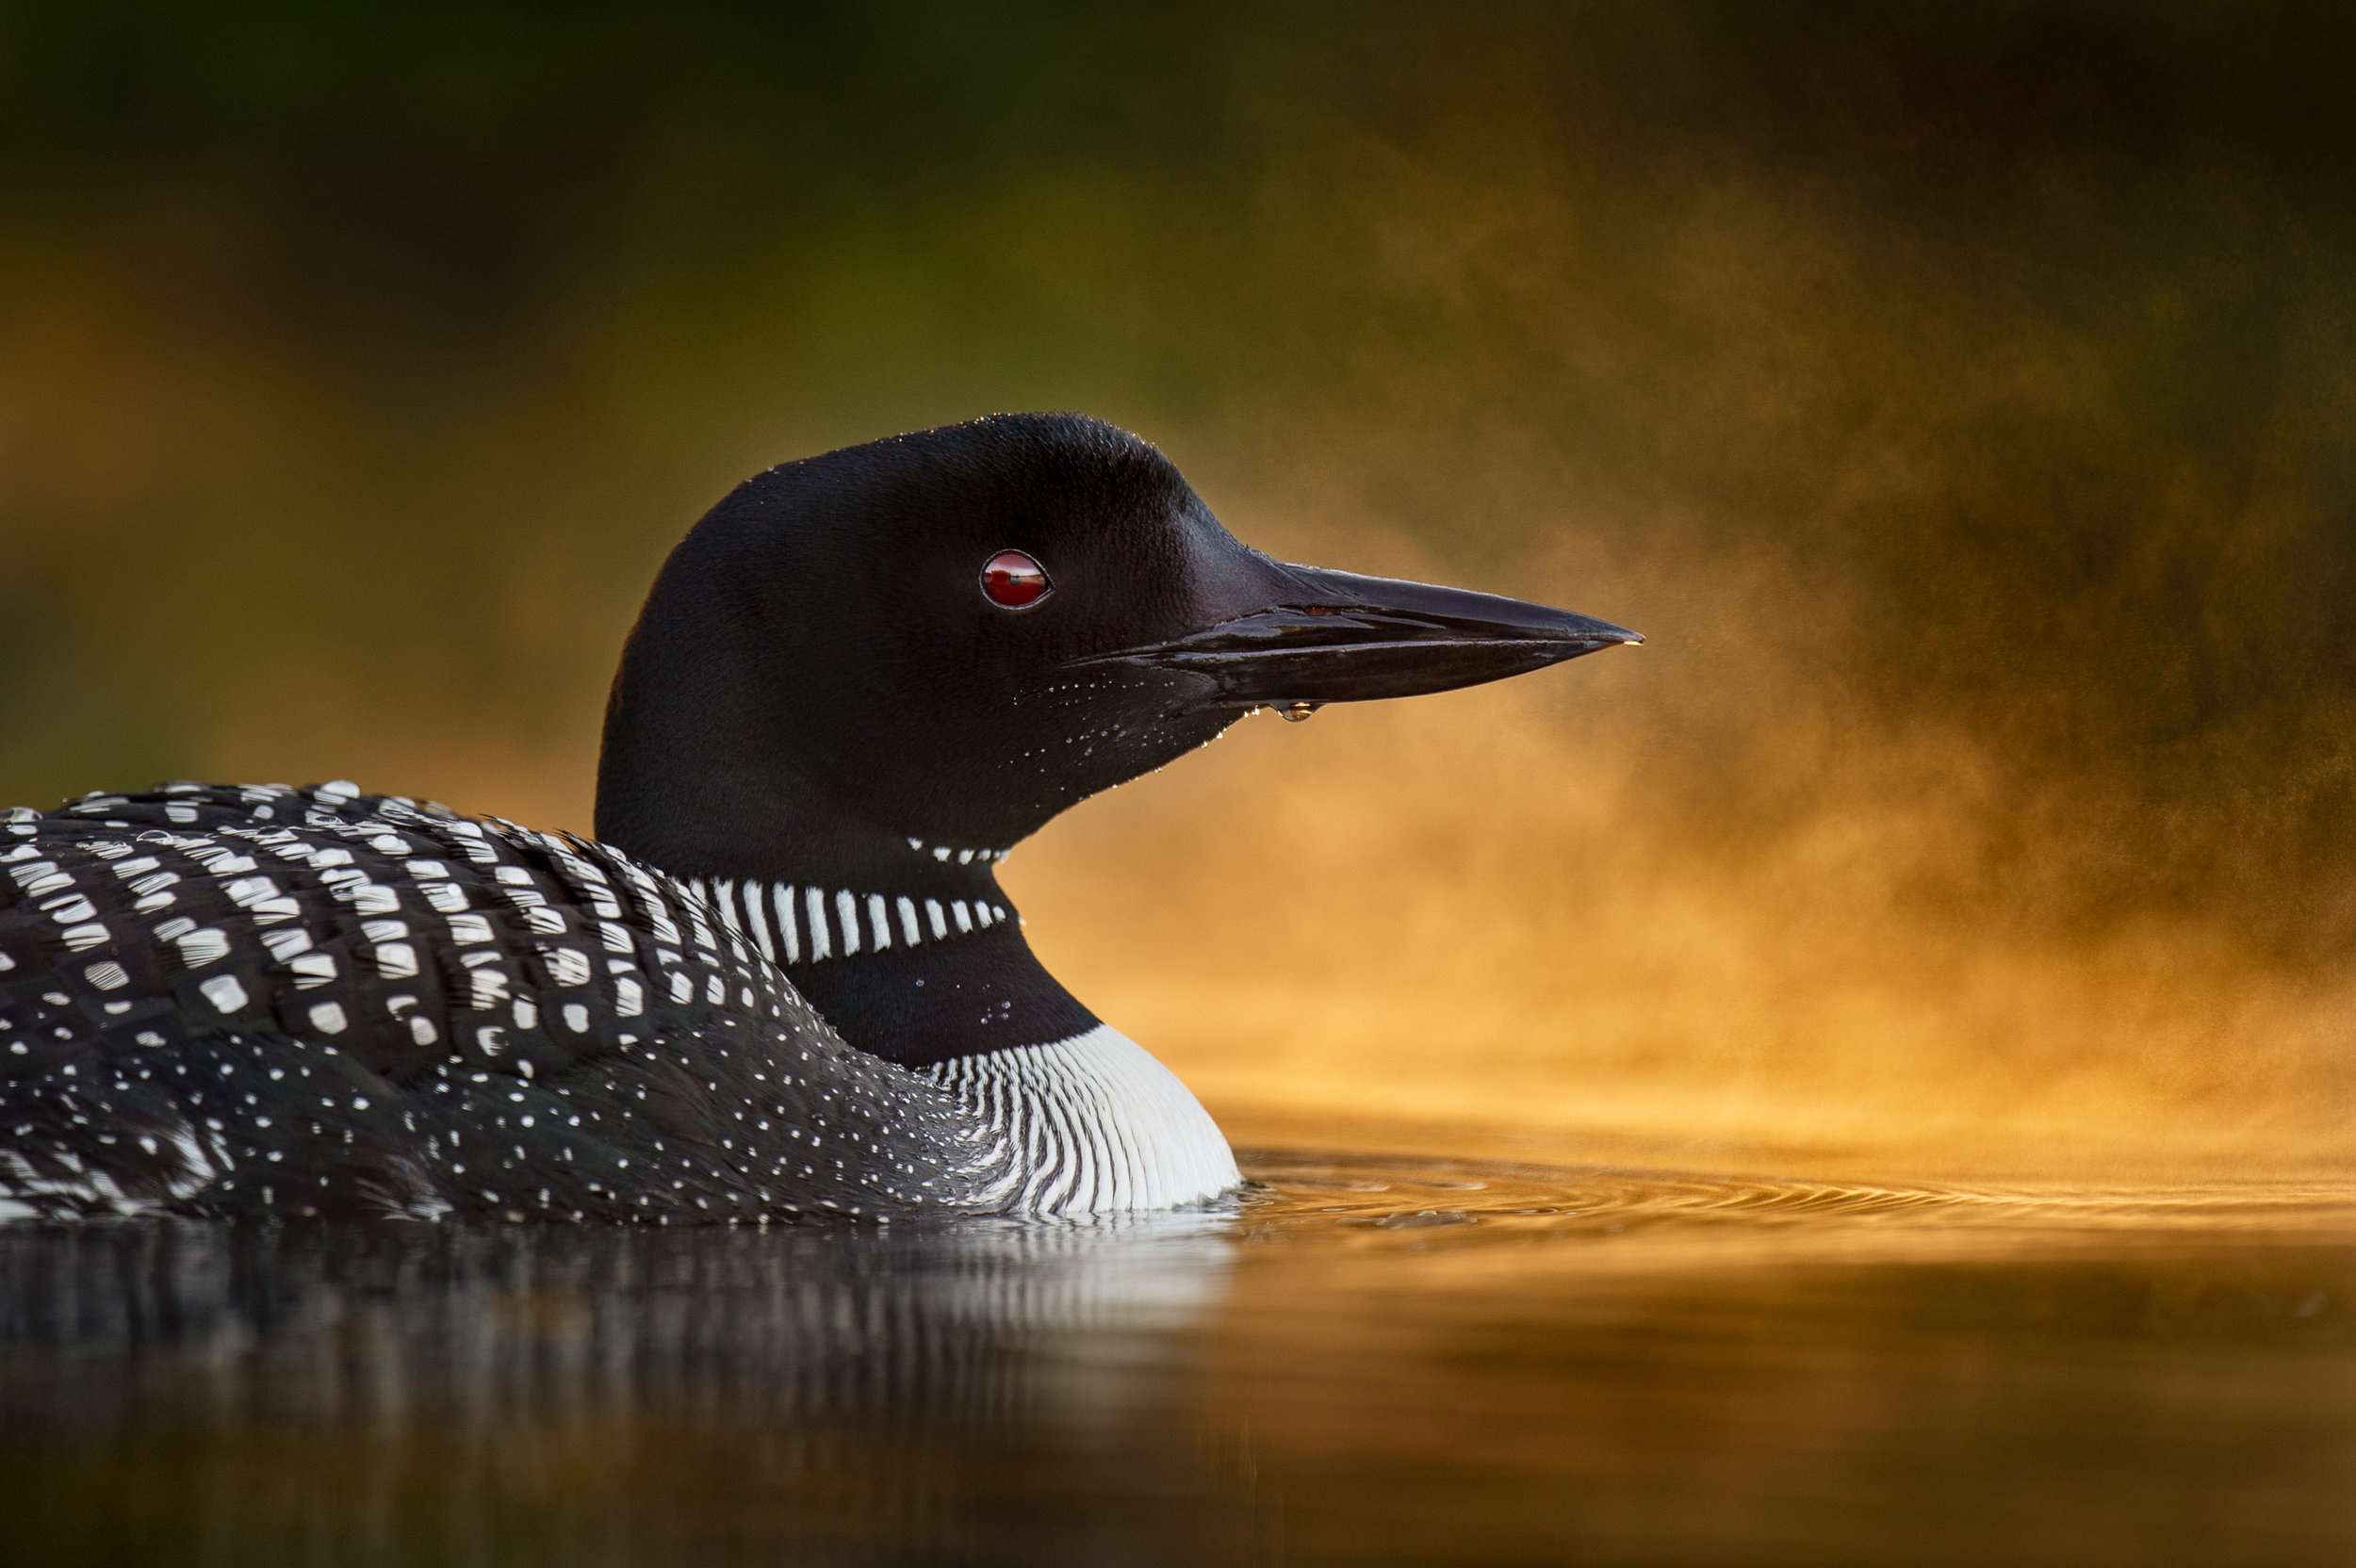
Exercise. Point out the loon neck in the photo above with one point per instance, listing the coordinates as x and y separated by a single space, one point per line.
910 950
940 1002
902 939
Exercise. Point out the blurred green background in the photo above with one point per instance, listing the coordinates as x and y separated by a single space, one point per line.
1959 397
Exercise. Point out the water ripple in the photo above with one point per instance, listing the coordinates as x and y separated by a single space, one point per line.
1298 1190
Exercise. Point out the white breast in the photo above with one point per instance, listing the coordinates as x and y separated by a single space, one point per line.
1096 1126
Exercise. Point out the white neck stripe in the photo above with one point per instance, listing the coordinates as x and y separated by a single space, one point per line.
838 921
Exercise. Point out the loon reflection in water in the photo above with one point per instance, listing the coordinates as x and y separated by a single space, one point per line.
335 1322
1370 1360
785 982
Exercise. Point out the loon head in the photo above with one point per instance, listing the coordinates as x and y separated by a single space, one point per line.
863 676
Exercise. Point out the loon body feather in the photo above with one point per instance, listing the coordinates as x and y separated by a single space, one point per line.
223 1000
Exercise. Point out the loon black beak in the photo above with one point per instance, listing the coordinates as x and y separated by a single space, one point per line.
1340 637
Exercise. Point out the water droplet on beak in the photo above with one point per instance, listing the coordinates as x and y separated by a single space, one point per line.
1296 711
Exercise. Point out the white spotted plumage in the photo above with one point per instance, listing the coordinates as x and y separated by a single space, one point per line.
538 1027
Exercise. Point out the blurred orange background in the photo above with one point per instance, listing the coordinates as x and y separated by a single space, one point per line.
1961 400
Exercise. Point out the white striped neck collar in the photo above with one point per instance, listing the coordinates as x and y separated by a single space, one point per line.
914 956
798 923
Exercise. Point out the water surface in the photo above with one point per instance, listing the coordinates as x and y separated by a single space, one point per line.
1373 1360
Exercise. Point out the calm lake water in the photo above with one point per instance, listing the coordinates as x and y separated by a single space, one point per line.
1373 1361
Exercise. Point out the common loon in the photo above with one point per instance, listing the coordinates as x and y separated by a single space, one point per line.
783 981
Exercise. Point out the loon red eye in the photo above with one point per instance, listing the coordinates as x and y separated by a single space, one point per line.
1012 580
